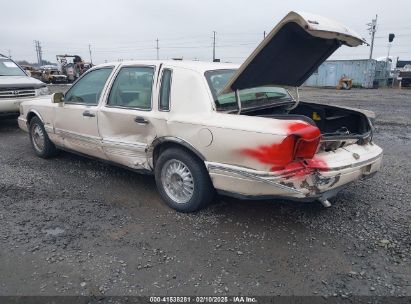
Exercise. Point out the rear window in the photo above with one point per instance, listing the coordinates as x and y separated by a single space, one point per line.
253 97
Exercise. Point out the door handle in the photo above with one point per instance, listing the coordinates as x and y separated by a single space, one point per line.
88 114
141 120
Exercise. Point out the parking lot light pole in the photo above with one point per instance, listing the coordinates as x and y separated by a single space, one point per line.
391 37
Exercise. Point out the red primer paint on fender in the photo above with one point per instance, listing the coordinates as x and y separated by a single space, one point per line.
277 155
294 152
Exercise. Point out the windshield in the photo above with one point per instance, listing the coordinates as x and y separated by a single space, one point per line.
254 97
9 68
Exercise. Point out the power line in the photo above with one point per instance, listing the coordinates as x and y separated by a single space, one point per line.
132 45
390 29
399 35
240 41
239 33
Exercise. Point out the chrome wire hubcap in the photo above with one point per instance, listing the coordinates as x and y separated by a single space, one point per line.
177 181
37 135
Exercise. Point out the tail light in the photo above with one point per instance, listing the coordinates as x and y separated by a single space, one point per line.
306 148
301 142
307 140
293 148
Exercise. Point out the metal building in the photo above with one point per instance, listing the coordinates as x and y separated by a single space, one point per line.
365 73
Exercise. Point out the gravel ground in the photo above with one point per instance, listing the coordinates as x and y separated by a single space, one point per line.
75 226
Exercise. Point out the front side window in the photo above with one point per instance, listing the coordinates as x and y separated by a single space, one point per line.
9 68
253 97
132 88
88 89
164 101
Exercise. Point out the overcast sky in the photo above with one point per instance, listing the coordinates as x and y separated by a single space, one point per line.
127 29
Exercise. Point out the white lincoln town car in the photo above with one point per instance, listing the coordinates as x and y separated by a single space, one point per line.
203 128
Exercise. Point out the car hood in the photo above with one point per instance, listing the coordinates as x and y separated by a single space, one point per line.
292 51
20 82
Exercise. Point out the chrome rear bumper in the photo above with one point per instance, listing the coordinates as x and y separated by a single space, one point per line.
318 185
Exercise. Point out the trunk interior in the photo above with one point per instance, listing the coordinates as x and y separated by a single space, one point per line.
339 127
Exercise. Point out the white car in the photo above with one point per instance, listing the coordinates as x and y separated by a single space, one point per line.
16 86
203 127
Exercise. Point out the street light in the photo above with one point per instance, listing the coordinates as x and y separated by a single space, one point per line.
391 37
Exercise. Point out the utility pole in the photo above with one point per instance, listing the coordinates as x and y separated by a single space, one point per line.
214 32
36 44
9 54
372 29
264 34
39 52
89 50
158 49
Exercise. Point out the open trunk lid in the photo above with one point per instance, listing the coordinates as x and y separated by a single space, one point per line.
292 51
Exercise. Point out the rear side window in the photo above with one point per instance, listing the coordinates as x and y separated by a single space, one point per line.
87 89
132 88
164 99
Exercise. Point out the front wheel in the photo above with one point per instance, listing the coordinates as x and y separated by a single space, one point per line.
183 181
39 139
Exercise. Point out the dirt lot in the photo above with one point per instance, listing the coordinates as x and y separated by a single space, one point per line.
75 226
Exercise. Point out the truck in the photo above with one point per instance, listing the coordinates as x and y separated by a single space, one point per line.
16 86
71 66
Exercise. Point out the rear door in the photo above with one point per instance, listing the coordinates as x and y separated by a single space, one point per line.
127 119
76 121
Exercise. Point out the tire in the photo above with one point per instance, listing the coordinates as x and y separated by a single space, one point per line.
39 139
177 169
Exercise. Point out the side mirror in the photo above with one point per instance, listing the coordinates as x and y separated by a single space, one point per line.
57 97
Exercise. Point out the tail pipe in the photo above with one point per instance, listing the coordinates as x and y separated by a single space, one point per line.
325 202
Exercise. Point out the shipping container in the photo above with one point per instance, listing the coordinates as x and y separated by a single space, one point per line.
365 73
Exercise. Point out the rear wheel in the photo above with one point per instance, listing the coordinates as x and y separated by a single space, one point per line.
183 181
39 139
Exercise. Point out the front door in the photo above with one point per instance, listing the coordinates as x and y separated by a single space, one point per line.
76 121
127 121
